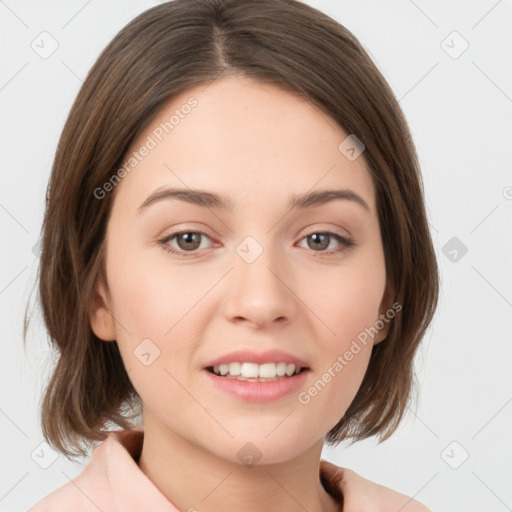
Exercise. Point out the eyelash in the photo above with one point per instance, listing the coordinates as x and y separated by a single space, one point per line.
346 243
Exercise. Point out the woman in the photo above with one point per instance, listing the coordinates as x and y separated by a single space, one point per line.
235 241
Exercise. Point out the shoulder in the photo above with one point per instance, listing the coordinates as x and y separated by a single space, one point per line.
88 491
63 499
362 495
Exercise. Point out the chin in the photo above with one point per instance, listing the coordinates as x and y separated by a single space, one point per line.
258 445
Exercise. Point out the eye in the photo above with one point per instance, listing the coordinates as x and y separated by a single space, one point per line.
188 241
320 240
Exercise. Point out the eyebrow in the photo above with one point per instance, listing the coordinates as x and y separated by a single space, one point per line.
213 200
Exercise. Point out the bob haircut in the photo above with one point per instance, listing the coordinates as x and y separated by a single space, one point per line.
159 54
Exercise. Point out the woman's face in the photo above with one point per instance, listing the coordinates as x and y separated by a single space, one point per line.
264 276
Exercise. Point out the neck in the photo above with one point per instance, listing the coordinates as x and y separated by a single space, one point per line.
194 479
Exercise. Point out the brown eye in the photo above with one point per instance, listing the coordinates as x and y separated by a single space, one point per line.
189 241
184 243
320 241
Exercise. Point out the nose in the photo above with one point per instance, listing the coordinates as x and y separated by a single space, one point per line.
260 292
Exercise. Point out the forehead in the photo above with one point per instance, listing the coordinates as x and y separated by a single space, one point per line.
248 140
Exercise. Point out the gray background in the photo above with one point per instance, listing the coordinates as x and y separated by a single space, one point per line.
453 452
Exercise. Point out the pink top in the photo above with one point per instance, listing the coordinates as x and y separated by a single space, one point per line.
112 481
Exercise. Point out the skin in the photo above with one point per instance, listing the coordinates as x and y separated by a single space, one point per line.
256 144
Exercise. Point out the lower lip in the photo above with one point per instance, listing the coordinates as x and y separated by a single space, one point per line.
258 391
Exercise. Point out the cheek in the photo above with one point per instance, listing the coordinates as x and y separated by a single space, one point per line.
338 376
153 298
155 309
348 303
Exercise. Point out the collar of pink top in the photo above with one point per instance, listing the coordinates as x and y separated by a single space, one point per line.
112 480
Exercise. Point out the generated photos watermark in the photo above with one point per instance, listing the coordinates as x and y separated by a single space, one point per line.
151 142
304 397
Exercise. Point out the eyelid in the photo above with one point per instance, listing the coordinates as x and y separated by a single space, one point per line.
326 228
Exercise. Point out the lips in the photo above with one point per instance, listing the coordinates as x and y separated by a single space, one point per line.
256 390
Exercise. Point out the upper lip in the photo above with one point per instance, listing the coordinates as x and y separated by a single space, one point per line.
251 356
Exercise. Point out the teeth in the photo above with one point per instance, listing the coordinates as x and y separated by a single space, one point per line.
267 370
254 370
234 368
249 370
281 369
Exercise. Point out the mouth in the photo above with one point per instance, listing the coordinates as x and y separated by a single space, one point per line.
253 372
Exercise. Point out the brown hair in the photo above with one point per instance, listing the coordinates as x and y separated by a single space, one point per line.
159 54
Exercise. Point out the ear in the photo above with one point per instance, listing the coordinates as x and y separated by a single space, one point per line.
385 305
100 317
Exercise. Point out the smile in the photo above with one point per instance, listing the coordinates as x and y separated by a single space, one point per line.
256 372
